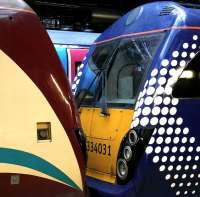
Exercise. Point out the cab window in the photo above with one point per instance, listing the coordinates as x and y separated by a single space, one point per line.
127 68
101 55
118 68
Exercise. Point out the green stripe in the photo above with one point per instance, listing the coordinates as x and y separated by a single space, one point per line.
29 160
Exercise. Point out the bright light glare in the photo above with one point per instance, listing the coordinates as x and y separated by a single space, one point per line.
187 74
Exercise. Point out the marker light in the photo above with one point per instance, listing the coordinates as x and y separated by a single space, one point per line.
132 137
128 153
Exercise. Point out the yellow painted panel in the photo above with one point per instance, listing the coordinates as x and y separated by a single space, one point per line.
105 131
106 127
86 115
101 176
22 105
99 160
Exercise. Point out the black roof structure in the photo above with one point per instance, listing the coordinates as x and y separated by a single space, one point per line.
84 15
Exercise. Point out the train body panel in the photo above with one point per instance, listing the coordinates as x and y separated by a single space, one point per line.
71 47
24 89
61 51
38 119
103 135
164 130
76 57
175 152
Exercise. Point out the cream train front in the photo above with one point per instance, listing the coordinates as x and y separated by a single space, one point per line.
40 152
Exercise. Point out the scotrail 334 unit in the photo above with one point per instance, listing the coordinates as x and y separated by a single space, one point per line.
140 137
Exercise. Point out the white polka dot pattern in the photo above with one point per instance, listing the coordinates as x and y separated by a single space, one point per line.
171 146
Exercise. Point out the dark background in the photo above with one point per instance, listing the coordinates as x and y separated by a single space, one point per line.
84 15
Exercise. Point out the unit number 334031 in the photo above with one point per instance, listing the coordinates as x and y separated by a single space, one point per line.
99 148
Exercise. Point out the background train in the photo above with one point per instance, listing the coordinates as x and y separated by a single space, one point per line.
71 47
139 103
40 151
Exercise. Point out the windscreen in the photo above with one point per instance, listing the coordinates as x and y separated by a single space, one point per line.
124 63
128 67
101 55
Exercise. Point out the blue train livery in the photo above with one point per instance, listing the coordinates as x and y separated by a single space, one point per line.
140 84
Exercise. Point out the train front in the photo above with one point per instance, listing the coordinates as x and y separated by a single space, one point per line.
40 135
141 140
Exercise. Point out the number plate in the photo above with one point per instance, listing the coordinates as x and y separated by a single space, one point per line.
98 148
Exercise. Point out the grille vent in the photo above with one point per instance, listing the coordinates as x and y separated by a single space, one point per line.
166 11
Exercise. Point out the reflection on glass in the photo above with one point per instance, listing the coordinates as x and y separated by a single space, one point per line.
128 66
123 62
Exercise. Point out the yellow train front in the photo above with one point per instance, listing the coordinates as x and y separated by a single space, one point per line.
40 151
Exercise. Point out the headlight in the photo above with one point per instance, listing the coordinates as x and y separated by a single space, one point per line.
132 138
127 153
122 169
127 156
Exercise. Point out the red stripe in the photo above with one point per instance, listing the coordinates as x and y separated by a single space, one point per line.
33 186
148 32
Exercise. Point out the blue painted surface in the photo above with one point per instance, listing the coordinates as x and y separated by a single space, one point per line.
149 20
72 37
187 110
64 40
160 173
62 54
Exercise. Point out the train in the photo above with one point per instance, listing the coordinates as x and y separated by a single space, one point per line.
138 98
71 47
40 134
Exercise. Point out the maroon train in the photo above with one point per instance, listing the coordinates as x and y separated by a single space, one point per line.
41 143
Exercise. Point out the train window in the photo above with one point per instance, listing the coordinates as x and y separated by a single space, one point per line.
85 98
88 97
128 67
96 63
101 55
124 63
77 66
188 84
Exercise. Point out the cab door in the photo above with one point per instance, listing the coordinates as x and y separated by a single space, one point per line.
105 131
105 127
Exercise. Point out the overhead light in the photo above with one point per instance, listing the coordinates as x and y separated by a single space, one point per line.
187 74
